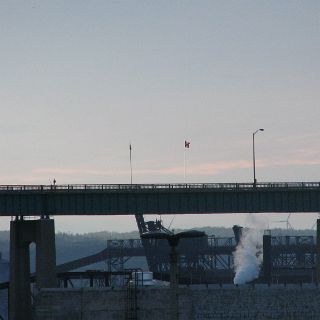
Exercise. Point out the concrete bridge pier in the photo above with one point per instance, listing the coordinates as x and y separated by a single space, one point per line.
22 233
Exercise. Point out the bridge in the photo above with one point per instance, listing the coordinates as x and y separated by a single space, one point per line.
126 199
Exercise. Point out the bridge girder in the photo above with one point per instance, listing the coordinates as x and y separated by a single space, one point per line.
158 199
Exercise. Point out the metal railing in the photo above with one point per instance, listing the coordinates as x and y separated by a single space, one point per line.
292 240
137 243
221 242
183 186
125 244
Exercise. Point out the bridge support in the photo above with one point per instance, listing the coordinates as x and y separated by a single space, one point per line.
22 233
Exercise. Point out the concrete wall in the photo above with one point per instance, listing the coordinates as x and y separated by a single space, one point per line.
195 302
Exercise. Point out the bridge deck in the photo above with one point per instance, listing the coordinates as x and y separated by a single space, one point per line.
121 199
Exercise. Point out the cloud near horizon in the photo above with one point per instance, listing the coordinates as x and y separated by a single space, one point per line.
213 168
40 175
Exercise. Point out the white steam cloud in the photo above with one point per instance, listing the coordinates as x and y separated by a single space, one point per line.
248 254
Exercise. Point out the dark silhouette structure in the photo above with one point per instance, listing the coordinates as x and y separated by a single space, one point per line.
173 240
22 233
196 198
109 199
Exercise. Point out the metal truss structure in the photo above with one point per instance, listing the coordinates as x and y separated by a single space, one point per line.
205 260
94 278
293 252
210 259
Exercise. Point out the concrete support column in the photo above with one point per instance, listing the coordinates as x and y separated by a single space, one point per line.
22 233
46 254
19 294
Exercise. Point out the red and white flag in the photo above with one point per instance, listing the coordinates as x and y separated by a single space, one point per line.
186 144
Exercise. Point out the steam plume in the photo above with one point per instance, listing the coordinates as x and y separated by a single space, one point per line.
248 254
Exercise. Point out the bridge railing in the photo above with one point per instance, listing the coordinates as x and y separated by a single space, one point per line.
183 186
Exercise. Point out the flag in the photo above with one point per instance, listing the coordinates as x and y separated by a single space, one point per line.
186 144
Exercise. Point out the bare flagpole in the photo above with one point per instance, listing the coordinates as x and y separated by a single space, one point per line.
184 165
130 149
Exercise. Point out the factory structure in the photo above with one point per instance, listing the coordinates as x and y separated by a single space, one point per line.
286 288
204 280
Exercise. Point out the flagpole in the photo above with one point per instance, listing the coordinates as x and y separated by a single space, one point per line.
185 170
186 146
130 148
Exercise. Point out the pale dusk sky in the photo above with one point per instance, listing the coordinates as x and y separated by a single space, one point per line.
80 80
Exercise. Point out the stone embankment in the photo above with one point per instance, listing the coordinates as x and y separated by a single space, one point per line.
195 303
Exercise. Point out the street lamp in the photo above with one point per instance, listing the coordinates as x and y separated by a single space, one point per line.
254 157
173 240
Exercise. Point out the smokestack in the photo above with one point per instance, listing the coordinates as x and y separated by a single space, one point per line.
237 230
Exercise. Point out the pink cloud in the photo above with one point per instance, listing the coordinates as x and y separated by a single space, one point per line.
288 162
198 169
42 175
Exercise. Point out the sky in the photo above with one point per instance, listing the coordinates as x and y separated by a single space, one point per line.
81 80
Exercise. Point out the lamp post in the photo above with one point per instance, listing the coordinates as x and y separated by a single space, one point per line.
173 240
254 157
